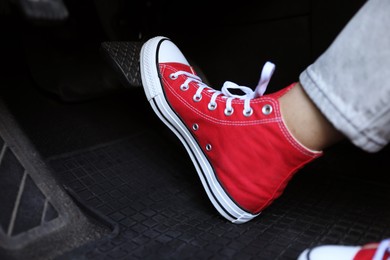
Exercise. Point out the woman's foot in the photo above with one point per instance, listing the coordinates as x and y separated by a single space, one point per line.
240 145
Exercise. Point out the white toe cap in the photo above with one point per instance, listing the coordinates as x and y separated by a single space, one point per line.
169 52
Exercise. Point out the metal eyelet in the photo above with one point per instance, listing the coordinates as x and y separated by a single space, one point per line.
212 106
228 112
184 87
197 98
247 112
173 76
195 127
267 109
209 147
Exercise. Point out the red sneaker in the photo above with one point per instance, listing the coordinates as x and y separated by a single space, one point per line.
372 251
242 150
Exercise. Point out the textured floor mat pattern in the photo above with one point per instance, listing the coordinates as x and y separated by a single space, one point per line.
38 220
149 188
24 206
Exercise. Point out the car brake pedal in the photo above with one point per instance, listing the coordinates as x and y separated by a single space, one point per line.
124 58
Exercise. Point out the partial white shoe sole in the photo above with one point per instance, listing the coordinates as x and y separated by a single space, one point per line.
154 92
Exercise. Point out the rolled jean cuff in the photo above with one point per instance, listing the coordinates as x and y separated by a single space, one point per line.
342 117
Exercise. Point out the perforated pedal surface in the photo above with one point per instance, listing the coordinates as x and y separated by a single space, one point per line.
124 58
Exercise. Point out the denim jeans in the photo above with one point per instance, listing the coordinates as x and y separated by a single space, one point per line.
350 81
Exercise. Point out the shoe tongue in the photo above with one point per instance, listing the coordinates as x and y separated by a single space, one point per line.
244 92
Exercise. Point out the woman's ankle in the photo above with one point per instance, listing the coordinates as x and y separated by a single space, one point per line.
306 122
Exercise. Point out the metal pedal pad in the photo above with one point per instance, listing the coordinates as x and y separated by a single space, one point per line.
124 58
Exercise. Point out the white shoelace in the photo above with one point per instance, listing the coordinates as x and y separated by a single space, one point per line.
384 246
266 74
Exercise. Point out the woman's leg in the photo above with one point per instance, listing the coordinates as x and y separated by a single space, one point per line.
298 110
349 82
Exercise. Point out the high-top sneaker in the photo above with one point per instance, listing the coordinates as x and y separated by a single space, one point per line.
241 148
371 251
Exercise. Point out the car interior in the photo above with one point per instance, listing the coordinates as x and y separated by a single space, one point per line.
88 171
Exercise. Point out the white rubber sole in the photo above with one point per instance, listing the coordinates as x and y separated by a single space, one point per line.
155 95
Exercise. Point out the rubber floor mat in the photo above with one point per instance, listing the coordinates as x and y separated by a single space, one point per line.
38 219
145 186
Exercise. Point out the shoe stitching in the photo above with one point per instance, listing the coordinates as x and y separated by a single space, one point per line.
276 118
209 94
219 121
